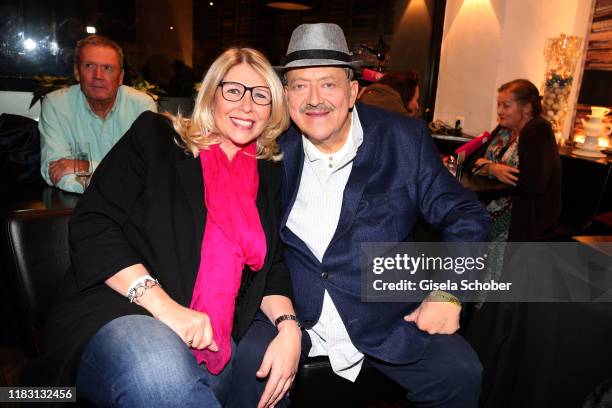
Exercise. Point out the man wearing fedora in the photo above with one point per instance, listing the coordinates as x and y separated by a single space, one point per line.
355 174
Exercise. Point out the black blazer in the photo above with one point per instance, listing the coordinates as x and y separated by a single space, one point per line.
146 205
537 205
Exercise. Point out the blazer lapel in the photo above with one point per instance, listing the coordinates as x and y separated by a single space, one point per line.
190 173
293 162
360 173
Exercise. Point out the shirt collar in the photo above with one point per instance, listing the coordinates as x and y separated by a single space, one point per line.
92 113
347 152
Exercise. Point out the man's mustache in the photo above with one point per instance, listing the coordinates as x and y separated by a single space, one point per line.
322 107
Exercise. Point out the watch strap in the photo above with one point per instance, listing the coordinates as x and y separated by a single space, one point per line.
284 317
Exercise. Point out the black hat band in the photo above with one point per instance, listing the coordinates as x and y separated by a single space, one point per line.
317 54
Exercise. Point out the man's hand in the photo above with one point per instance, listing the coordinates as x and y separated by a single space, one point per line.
280 364
59 168
435 317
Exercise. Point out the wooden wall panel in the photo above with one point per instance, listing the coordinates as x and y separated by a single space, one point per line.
599 53
599 57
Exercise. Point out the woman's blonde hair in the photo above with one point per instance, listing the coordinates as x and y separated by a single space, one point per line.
195 132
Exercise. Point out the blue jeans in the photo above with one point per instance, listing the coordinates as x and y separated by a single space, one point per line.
137 361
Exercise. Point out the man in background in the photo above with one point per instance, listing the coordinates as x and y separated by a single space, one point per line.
396 91
98 111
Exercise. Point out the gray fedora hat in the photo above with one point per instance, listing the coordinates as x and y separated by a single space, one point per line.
315 45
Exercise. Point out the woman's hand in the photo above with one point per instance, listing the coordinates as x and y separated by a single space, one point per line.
280 363
504 173
191 326
481 167
480 163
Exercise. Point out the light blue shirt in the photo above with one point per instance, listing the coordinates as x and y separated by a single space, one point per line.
66 118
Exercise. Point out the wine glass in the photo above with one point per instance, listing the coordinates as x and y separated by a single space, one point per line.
82 163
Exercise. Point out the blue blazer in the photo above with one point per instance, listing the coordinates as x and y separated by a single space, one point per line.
397 177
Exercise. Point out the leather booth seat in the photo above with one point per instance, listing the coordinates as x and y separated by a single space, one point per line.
37 251
38 257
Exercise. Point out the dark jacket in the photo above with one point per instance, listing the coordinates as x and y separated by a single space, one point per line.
396 178
146 205
537 205
384 96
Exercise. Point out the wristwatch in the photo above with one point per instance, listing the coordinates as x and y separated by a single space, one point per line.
284 317
441 296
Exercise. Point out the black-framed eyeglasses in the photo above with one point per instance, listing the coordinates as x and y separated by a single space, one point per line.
234 92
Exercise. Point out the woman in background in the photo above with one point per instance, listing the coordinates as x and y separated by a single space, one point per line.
522 152
175 248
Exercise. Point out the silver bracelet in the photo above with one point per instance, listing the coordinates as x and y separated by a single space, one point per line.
136 282
140 289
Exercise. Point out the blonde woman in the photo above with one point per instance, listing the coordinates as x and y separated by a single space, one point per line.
175 248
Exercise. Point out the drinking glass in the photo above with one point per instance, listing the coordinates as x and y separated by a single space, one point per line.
451 165
82 163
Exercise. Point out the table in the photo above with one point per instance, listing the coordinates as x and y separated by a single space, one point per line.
38 196
586 187
447 144
567 151
594 242
486 188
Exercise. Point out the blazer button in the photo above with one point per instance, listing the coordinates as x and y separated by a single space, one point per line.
325 275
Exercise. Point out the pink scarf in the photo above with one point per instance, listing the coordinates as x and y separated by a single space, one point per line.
233 237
